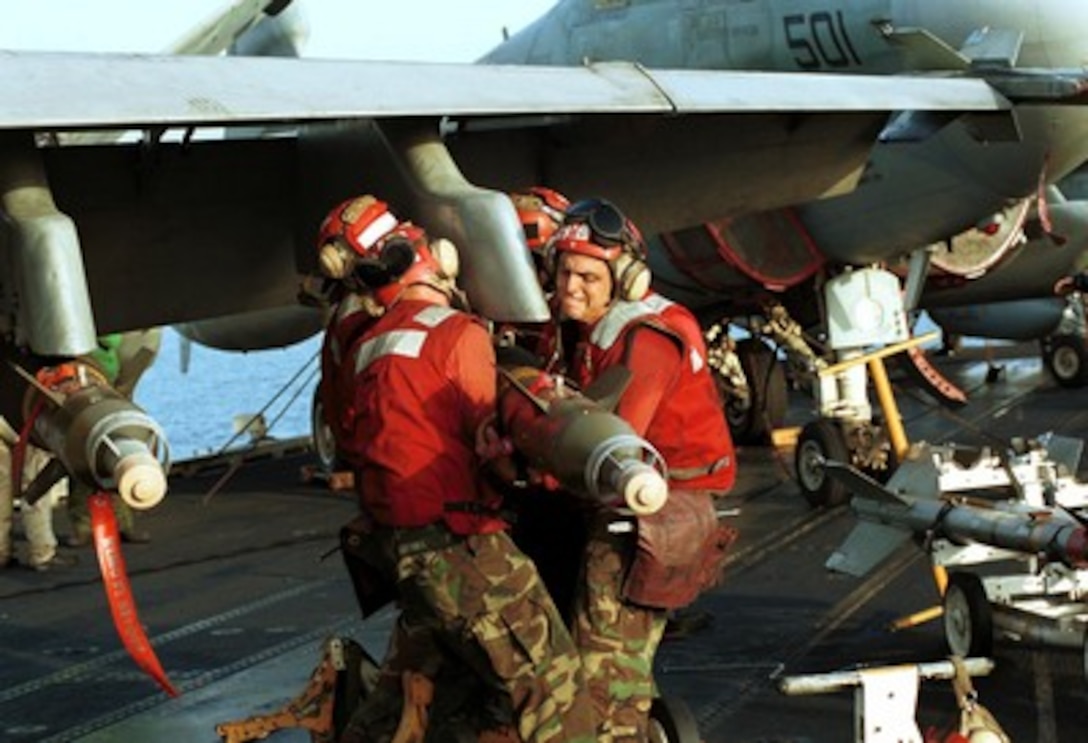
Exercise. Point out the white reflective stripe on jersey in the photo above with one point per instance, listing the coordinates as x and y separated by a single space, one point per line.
434 315
696 360
348 306
657 303
608 329
406 343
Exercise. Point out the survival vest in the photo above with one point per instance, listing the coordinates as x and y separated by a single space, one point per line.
348 321
689 428
412 430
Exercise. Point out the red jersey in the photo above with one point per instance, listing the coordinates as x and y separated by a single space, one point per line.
421 381
347 323
672 400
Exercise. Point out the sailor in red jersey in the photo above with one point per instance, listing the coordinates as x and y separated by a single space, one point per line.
343 239
420 384
609 317
540 210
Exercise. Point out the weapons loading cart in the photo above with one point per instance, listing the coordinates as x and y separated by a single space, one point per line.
1007 535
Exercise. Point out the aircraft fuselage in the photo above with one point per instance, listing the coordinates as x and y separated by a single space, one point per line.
913 193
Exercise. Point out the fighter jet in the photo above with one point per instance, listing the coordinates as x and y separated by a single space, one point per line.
868 131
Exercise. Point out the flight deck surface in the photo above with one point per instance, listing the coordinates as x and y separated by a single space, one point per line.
236 598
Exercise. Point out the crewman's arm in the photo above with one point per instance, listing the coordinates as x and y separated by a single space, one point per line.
654 360
472 364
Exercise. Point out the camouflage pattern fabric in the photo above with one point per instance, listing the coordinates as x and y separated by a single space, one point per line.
480 602
616 640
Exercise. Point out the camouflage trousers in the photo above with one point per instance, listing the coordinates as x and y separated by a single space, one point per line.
616 639
480 604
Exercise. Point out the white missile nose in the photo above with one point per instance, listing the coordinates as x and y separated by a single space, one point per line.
646 492
140 481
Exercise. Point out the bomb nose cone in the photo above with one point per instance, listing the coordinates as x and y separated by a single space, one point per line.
645 492
141 481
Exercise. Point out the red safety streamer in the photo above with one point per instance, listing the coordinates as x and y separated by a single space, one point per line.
107 544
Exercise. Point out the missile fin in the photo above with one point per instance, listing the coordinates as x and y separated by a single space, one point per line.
516 384
868 545
860 484
49 476
607 389
53 397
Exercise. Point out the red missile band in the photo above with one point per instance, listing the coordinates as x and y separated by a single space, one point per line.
107 545
1076 548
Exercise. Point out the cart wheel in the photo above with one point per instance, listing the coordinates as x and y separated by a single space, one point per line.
1066 357
968 617
672 721
819 440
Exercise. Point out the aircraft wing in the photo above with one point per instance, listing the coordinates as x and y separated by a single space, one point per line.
54 91
174 231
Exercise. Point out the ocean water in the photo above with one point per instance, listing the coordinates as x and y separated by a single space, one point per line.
197 408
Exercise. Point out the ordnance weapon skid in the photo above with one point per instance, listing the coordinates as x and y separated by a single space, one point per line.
1012 526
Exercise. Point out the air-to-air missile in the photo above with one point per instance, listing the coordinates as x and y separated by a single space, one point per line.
1023 504
1023 514
97 435
575 437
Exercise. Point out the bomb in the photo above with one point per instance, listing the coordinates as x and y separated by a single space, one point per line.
97 435
575 438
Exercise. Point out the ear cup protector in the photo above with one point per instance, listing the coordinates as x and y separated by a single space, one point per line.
448 259
630 277
335 260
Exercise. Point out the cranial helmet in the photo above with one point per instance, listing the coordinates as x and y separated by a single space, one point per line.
541 211
597 228
349 231
404 257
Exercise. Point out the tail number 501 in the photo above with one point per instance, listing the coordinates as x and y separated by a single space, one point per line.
819 40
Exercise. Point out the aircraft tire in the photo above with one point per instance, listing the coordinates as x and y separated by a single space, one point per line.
968 617
1066 357
672 721
323 441
767 383
820 439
